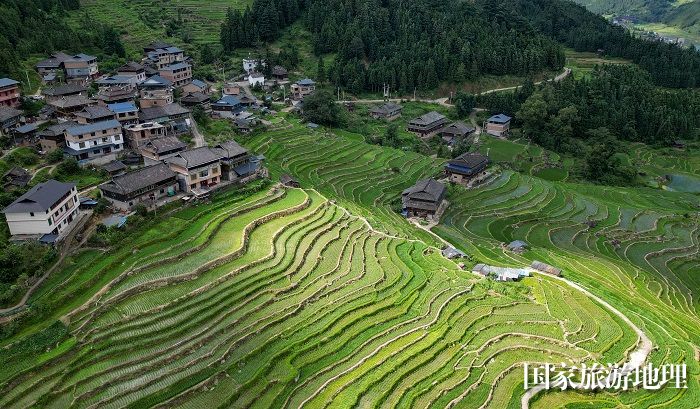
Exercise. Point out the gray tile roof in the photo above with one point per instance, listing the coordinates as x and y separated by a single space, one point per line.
57 129
66 89
96 127
176 66
470 160
40 198
426 194
165 144
459 128
195 98
427 119
500 119
149 114
114 166
96 111
387 108
8 113
6 82
231 149
195 157
71 101
139 179
131 66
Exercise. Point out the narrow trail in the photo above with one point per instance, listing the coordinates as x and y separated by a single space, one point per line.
196 135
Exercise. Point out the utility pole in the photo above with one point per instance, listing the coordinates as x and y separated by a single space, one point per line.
29 83
414 93
338 93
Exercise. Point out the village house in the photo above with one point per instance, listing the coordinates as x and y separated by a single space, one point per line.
9 93
196 86
237 164
231 88
250 65
49 208
114 95
63 91
424 199
167 114
517 246
126 112
388 111
159 149
134 70
256 79
227 103
25 135
280 73
455 131
122 81
155 91
91 141
53 64
53 137
137 135
9 119
288 181
462 169
160 58
68 106
145 186
546 268
92 114
178 74
428 124
199 169
302 89
498 125
15 178
114 168
81 67
501 273
193 99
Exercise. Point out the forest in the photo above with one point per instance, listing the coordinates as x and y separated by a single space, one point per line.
39 27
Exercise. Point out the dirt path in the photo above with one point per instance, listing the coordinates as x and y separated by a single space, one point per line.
198 137
636 357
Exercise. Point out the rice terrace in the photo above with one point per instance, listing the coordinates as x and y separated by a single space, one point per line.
348 204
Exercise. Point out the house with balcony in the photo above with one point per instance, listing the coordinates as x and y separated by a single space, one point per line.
92 141
9 93
237 164
302 89
137 135
47 209
134 70
179 74
147 186
464 168
388 111
424 199
53 64
159 58
198 170
53 137
427 125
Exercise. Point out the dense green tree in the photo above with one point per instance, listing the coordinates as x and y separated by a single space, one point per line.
464 103
321 108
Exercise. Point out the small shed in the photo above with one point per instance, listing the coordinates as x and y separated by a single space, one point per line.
452 253
289 181
517 246
114 167
16 178
546 268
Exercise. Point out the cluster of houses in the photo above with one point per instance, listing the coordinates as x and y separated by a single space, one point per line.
133 122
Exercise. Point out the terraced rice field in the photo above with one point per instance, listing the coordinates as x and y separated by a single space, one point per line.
283 299
637 248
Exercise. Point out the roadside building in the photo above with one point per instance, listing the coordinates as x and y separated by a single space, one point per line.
302 89
92 141
9 93
388 111
145 186
198 170
137 135
462 169
423 199
49 208
427 125
160 149
546 268
9 119
498 125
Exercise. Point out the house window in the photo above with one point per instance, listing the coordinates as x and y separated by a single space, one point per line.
50 222
31 214
81 144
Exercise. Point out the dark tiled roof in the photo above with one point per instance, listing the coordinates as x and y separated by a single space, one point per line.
114 166
231 149
195 98
6 82
387 108
40 198
131 66
57 129
66 89
94 112
459 128
8 112
426 194
195 157
71 101
306 82
427 119
470 160
166 144
139 179
279 71
148 114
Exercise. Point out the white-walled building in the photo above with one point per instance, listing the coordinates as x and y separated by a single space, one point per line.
256 78
48 208
85 142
